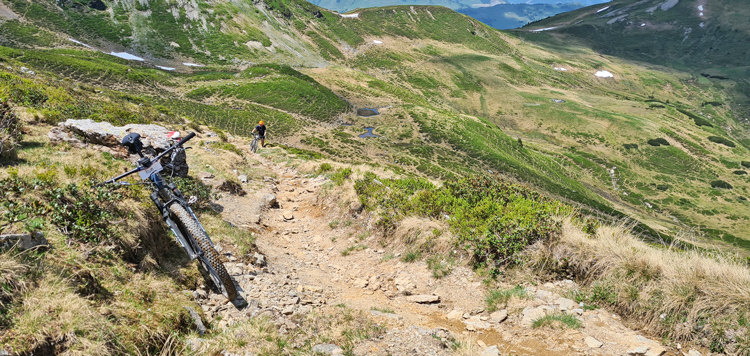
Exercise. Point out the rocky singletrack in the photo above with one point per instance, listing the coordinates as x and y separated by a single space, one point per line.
300 269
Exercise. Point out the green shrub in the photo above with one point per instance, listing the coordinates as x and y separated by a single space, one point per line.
656 142
83 214
411 256
324 167
440 265
341 175
630 146
190 186
739 172
721 140
720 184
492 219
745 164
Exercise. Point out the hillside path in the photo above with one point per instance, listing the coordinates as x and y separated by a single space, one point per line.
305 270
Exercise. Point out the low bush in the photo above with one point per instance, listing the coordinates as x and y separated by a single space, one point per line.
656 142
491 218
495 298
341 175
745 164
740 172
721 140
630 146
720 184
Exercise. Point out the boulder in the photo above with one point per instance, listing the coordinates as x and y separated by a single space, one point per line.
566 304
107 137
455 314
423 299
23 241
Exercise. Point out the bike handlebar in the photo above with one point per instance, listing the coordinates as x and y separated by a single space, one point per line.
158 157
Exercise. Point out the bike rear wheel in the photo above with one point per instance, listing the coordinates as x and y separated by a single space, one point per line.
210 258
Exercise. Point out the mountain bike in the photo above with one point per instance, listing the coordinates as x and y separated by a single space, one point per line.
176 212
254 144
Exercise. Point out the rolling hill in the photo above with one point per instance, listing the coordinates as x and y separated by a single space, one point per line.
661 145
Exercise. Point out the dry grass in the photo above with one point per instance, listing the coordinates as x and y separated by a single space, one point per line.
52 313
693 295
11 270
426 234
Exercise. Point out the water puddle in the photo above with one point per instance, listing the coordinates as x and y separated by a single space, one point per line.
367 112
368 133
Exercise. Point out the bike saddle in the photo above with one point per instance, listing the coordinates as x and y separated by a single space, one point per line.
133 142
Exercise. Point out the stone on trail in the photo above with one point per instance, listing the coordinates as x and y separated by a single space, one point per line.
455 314
288 215
694 353
423 298
592 343
638 351
491 351
499 316
327 349
530 314
566 304
242 178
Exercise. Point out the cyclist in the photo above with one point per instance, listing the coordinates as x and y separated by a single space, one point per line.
261 133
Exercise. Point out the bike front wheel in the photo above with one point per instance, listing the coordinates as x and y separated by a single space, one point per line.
210 258
254 145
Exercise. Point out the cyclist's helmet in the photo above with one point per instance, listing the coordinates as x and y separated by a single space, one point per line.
260 123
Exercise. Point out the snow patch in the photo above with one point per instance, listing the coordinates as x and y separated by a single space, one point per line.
165 68
80 43
126 55
643 25
545 29
193 65
602 9
700 7
604 74
702 25
350 15
377 42
561 69
701 14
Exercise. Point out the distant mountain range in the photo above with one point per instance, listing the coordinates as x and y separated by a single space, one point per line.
500 14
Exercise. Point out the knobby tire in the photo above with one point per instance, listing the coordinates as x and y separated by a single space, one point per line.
217 271
254 145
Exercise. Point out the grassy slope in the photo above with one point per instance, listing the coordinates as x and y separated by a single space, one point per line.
435 68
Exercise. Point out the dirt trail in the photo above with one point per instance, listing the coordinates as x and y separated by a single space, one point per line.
302 239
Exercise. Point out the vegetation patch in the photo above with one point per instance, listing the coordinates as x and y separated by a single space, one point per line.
491 218
497 297
721 140
557 320
656 142
720 184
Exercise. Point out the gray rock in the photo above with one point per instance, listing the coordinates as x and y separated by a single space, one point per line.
499 316
327 349
423 299
592 343
638 351
197 320
23 241
694 353
491 351
566 304
530 314
268 201
242 178
260 260
288 310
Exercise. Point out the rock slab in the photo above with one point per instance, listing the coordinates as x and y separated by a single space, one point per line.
592 343
23 241
327 349
423 299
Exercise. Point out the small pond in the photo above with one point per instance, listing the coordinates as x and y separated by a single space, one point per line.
367 112
368 133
